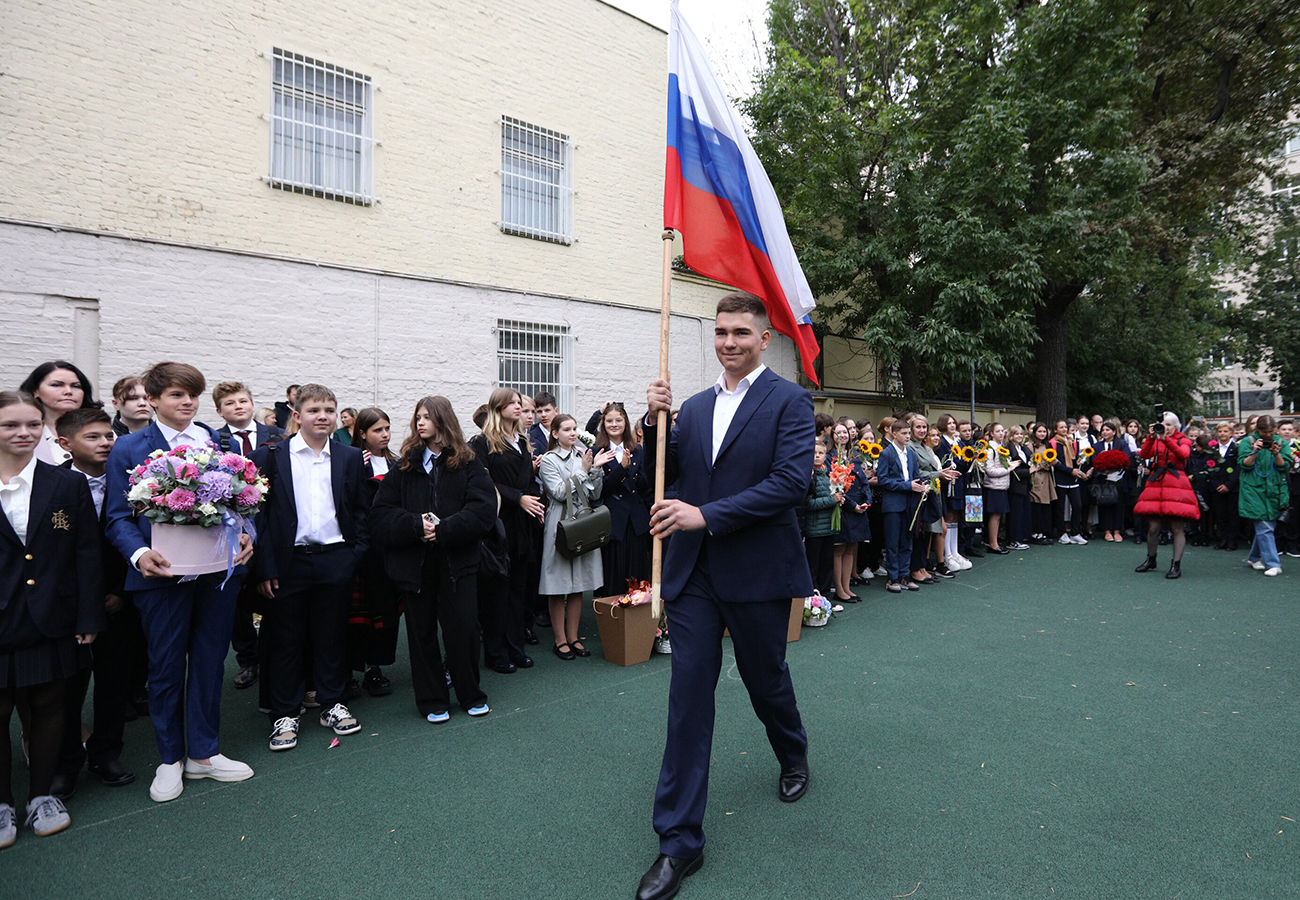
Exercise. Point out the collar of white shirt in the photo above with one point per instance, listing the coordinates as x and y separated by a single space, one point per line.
720 386
298 445
193 435
429 457
24 478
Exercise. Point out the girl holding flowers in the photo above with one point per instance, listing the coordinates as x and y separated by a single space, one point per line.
1042 491
854 527
997 483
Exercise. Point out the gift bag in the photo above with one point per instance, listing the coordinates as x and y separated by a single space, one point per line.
974 508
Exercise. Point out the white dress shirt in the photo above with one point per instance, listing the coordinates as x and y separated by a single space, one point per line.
379 465
98 485
902 462
16 498
429 457
191 435
726 404
48 449
313 494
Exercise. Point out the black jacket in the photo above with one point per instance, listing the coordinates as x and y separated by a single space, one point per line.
262 435
624 492
113 565
512 473
1225 470
465 501
59 569
277 522
1021 478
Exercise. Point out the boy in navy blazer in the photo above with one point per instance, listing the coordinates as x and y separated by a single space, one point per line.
186 623
311 538
901 493
738 460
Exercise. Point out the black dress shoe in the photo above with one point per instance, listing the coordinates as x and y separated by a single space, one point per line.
1146 566
1175 571
504 668
247 675
851 598
113 773
579 649
63 786
376 683
530 637
523 662
664 879
1000 551
972 552
543 620
564 651
794 783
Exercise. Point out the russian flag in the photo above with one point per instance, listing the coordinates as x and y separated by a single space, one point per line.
718 197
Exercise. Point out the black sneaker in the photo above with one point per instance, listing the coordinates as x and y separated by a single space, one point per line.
376 684
285 733
941 571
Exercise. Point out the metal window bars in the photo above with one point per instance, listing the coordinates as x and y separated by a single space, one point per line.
322 140
533 357
536 182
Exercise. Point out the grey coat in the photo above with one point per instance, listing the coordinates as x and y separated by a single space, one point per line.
562 576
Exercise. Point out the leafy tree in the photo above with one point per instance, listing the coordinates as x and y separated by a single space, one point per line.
1269 323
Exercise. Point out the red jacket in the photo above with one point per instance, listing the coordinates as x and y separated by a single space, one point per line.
1168 491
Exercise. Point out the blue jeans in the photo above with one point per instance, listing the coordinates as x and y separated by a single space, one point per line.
1265 546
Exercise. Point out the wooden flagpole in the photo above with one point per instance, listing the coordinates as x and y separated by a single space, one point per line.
661 426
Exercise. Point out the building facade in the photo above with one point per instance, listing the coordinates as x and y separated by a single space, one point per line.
392 200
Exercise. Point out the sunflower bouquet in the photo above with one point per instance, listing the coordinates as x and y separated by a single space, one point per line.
870 452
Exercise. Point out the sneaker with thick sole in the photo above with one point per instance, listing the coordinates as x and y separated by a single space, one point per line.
959 562
437 718
340 719
481 710
882 571
1276 570
1256 564
866 575
47 815
221 768
285 734
8 826
1078 539
941 571
1063 539
167 784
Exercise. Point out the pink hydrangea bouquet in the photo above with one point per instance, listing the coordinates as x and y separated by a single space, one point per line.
196 485
817 610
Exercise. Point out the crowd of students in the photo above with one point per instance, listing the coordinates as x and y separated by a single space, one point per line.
458 537
455 536
916 501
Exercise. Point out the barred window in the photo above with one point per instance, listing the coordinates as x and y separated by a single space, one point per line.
321 129
532 358
1218 404
536 182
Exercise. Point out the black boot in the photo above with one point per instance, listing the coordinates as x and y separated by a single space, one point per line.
1175 570
1147 566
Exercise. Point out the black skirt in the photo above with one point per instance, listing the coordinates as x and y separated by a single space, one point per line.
28 657
627 555
996 502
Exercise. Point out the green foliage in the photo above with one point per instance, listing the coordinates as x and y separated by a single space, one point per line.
1268 324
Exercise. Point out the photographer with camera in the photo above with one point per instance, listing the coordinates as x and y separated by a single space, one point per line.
1265 461
1168 499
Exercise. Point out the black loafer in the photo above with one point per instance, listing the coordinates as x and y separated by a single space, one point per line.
530 637
504 668
972 552
664 879
794 783
113 773
523 662
63 786
247 675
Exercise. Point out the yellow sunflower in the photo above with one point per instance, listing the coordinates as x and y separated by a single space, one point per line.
1049 455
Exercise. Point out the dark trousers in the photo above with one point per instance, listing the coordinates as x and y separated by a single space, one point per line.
243 639
758 635
1020 519
920 554
187 627
451 603
112 653
1041 514
1288 533
820 552
1226 517
1110 517
72 756
373 628
501 614
1060 525
311 610
898 544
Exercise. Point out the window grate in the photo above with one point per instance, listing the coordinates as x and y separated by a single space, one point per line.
322 140
1218 404
533 357
536 182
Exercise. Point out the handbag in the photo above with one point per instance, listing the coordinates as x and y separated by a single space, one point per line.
583 528
1287 515
1104 493
974 507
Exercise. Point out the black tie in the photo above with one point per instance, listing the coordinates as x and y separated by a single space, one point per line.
248 445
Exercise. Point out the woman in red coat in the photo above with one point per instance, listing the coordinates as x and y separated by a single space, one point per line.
1168 499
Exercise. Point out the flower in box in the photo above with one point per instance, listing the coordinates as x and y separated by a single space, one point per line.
195 486
817 610
638 592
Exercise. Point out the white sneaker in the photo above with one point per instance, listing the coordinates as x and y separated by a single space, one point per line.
1276 570
1256 564
959 562
285 735
1065 539
866 574
882 571
221 769
167 784
1078 539
340 719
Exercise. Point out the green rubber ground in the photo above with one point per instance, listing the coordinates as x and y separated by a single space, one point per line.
1049 724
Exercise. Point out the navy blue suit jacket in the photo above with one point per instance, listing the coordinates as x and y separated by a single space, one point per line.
896 491
748 495
262 435
277 523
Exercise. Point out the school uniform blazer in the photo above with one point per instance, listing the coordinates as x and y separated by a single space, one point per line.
59 567
540 440
512 473
748 495
897 494
277 522
262 435
622 493
127 531
1225 470
465 502
112 564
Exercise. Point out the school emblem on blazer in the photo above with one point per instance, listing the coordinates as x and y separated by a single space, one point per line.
59 519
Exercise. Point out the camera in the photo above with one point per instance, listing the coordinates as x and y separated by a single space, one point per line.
1266 443
1158 426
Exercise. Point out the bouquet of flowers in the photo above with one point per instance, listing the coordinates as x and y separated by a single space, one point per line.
842 478
196 486
816 610
870 451
662 644
1111 461
638 592
586 438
